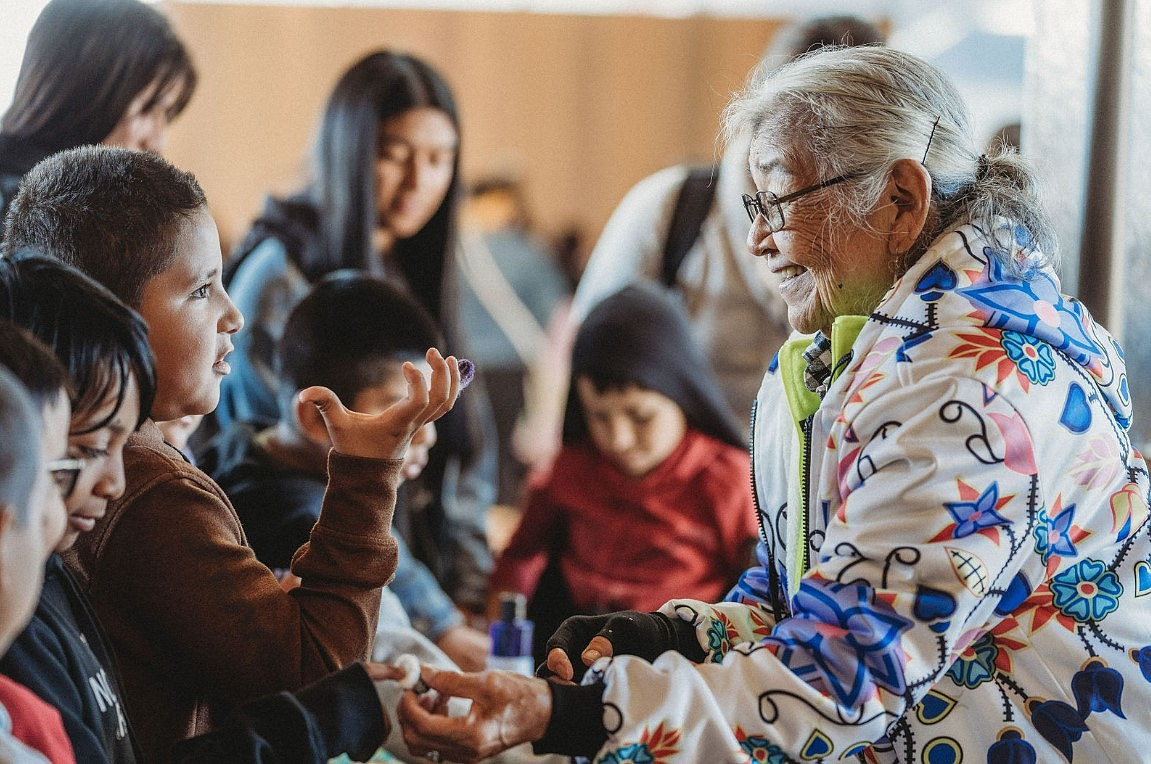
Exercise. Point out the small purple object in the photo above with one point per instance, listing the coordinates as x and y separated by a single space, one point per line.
467 372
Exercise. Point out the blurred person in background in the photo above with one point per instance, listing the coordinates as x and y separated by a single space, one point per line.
684 227
94 71
510 287
383 199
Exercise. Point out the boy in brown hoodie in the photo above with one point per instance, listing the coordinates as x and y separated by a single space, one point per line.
198 623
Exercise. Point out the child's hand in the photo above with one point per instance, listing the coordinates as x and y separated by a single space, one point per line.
387 435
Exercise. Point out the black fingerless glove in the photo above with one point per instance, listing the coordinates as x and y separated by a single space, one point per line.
646 635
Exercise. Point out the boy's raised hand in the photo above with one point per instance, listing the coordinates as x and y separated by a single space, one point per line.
387 435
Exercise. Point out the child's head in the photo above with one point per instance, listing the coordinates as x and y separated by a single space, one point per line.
639 381
34 471
103 345
140 227
352 334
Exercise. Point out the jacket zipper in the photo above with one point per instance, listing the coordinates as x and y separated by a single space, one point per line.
773 583
805 495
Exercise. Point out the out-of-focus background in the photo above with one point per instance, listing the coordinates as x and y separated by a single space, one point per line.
580 105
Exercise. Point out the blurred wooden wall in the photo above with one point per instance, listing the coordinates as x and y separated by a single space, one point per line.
581 106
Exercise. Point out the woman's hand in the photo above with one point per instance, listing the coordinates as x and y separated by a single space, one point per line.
628 632
507 709
387 435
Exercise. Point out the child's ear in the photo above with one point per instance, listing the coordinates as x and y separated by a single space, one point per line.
310 423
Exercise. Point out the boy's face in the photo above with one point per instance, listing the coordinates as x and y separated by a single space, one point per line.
190 319
102 450
24 548
373 400
635 429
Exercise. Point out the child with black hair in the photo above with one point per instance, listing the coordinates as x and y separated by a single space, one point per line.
351 334
200 625
650 495
63 655
34 473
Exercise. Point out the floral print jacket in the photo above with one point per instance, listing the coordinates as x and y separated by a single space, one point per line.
956 563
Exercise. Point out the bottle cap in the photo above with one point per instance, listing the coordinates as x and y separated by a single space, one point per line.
513 606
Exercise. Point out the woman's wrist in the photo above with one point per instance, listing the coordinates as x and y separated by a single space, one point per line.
575 725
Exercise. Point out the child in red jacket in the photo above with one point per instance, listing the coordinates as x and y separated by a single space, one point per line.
649 497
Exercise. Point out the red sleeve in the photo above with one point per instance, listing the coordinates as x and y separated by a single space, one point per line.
730 487
520 565
35 723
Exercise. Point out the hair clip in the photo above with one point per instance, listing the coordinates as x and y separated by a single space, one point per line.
927 150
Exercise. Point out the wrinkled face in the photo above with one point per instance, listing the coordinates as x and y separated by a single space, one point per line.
373 400
634 428
145 130
102 450
414 168
190 322
827 265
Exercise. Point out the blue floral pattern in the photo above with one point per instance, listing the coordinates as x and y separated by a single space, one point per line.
760 749
976 665
1032 356
973 516
636 753
842 640
1035 308
1053 536
1087 591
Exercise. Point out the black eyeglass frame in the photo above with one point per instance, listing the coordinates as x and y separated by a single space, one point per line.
66 473
764 201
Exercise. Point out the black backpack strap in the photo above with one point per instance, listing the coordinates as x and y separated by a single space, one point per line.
691 207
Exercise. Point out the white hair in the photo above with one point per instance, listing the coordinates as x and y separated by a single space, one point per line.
858 110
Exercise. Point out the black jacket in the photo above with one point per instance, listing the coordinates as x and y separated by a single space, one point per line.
64 658
340 713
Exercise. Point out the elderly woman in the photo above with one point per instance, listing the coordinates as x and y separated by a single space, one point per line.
956 548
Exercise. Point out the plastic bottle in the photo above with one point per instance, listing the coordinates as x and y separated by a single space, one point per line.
512 636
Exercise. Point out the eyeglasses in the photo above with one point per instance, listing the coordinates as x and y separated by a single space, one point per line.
65 473
771 206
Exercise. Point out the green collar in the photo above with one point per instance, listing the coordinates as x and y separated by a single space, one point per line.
801 401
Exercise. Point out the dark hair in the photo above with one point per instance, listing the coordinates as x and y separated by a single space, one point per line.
641 336
85 62
378 87
98 339
114 213
801 37
344 334
19 437
33 364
